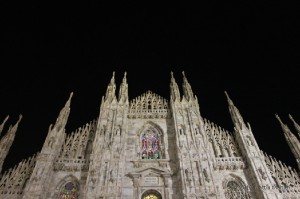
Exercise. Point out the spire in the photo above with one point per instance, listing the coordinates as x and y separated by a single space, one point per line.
297 127
123 91
291 139
7 140
187 89
63 116
3 123
284 127
235 114
175 94
13 129
111 88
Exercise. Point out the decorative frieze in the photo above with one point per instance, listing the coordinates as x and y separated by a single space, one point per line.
148 106
71 165
229 163
156 163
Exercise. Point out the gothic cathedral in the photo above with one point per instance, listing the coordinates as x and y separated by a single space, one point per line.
150 148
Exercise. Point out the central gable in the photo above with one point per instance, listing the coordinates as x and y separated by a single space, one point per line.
148 105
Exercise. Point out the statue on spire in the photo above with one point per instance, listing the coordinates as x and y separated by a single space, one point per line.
187 89
296 125
111 88
7 140
14 128
123 91
292 140
236 117
62 118
3 123
175 94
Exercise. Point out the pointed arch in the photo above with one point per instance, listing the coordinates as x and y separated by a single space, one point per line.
68 188
150 141
234 187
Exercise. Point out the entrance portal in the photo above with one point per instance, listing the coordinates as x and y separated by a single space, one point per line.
151 194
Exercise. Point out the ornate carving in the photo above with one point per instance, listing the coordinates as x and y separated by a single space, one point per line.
188 174
262 173
76 144
148 105
287 179
13 180
235 188
71 165
206 175
229 163
221 141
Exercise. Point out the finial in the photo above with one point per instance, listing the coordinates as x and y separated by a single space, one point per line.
112 78
6 119
20 117
290 116
278 118
71 94
14 128
228 98
172 77
124 78
226 94
69 100
3 123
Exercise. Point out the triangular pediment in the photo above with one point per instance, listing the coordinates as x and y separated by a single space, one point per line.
152 170
148 96
148 105
149 172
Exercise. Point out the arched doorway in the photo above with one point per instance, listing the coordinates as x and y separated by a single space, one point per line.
151 194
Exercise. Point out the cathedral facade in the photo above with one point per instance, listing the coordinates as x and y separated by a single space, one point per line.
150 148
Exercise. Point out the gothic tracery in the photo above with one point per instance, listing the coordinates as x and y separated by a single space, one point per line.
68 191
235 190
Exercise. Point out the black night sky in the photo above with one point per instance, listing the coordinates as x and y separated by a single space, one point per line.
250 50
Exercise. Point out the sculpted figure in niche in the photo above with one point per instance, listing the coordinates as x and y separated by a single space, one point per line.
51 141
249 141
263 174
188 174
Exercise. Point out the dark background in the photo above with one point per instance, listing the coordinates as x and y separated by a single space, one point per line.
249 49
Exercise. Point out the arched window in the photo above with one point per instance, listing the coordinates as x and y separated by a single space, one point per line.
150 144
69 190
236 190
151 194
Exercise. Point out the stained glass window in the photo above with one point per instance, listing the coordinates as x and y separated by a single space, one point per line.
68 191
150 144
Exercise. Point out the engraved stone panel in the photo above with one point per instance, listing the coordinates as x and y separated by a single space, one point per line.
151 180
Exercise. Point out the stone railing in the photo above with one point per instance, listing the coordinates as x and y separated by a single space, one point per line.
229 163
71 165
156 163
147 114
